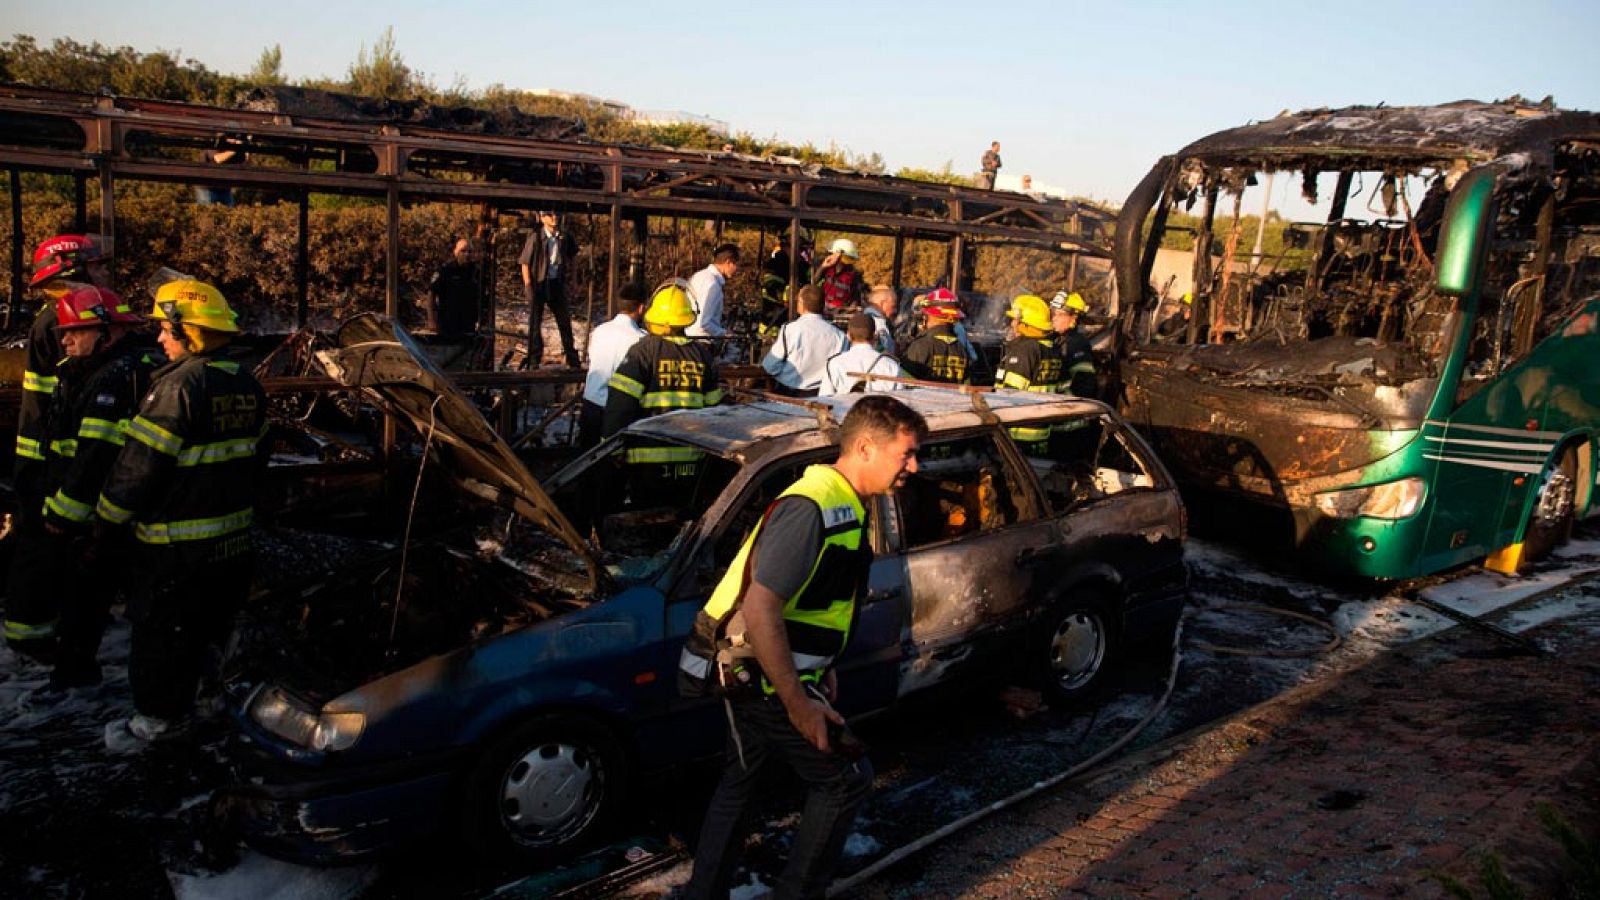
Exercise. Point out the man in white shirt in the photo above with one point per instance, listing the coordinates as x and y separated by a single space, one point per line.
705 291
881 306
799 357
608 344
863 356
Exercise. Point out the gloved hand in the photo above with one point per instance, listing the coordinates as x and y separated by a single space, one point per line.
91 542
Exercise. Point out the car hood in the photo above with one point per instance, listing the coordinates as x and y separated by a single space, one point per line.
375 354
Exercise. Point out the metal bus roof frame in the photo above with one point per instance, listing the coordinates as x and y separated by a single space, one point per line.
110 137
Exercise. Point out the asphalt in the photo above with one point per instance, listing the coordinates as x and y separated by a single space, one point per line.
1418 772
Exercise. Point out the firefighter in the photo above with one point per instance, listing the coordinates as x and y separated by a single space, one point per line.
185 483
58 263
937 354
664 371
767 640
1030 361
1076 355
61 568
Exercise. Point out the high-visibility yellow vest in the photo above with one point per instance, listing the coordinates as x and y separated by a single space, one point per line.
818 618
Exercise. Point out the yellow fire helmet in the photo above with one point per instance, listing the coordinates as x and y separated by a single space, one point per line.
1065 301
1030 310
669 306
195 303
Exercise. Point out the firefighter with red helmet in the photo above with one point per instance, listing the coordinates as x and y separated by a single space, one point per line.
59 264
184 483
937 354
59 595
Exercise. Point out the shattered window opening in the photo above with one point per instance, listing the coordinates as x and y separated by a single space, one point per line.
962 486
635 503
1088 459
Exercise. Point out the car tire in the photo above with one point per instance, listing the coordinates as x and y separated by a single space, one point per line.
1554 508
544 792
1075 647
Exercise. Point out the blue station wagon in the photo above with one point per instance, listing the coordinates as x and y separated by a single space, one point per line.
509 680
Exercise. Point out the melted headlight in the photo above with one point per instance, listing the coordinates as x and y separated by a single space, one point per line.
1391 500
289 718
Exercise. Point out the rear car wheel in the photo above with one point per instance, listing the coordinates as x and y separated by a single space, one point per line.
545 791
1554 509
1075 648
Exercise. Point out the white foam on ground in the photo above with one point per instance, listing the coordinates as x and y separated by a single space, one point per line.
1576 548
751 890
1387 620
858 845
1485 592
264 878
1551 609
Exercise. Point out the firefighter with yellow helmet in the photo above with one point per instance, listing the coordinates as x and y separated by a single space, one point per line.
1066 311
664 371
1031 362
184 483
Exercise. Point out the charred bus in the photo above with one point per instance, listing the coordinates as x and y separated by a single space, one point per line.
1404 372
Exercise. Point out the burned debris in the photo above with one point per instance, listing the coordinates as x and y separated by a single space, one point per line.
1421 256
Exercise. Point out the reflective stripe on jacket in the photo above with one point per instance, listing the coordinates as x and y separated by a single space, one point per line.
91 411
817 619
188 470
38 385
1031 364
658 375
937 355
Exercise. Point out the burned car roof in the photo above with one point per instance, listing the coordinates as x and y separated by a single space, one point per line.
1463 129
743 431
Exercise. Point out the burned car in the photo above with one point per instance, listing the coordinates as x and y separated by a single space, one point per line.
508 681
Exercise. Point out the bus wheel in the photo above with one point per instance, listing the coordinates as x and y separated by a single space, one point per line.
1550 522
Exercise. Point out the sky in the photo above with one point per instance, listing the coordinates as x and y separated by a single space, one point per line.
1084 97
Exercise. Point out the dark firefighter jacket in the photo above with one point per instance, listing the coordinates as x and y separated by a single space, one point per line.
1078 360
187 475
661 374
86 429
1031 364
937 355
38 384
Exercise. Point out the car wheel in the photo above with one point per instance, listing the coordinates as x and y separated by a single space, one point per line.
1554 508
545 791
1076 647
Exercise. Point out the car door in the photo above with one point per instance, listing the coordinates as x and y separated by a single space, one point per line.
961 526
868 669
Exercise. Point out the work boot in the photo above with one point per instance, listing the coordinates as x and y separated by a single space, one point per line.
151 729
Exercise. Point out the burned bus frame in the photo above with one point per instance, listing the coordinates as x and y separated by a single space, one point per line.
111 138
1379 471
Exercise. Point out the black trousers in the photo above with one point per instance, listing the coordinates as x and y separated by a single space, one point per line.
35 582
181 617
835 786
590 418
551 293
86 602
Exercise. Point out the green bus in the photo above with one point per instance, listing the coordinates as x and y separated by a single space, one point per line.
1380 324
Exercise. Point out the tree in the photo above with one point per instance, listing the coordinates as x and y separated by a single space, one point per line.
269 67
946 175
382 73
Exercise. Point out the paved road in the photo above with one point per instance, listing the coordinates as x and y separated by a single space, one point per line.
939 758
